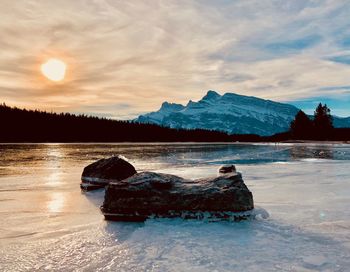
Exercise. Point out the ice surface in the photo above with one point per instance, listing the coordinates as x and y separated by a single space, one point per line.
48 224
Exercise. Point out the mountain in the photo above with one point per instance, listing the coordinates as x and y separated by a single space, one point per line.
231 113
341 122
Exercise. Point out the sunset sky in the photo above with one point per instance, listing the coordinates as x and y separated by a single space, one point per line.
125 58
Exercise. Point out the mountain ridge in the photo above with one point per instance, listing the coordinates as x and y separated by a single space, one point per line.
231 113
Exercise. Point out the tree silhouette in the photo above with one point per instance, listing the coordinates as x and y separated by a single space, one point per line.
21 125
323 122
301 127
319 128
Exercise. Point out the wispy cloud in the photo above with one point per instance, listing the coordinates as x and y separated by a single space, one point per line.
140 53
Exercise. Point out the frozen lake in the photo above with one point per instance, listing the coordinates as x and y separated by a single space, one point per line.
48 224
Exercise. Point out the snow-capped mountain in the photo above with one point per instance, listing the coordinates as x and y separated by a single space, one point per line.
341 121
232 113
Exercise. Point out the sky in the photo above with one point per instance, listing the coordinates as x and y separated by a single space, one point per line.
125 58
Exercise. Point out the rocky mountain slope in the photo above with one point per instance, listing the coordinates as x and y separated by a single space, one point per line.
232 113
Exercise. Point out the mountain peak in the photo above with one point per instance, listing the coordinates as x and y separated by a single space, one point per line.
171 106
211 95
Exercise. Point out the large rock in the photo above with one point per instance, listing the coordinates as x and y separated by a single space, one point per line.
102 172
151 195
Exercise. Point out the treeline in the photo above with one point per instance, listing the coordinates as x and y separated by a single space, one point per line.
319 127
21 125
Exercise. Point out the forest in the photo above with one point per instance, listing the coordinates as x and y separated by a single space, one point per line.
21 125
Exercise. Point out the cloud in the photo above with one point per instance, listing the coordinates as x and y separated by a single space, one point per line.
141 53
293 46
345 59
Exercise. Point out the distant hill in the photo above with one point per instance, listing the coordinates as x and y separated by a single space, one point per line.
231 113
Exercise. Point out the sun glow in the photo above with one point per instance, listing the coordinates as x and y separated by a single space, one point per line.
54 69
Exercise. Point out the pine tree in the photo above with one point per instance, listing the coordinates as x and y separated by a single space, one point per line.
301 127
323 122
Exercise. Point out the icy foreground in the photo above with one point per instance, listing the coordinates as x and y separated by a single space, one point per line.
48 224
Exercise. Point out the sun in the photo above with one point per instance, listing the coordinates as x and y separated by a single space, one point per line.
54 69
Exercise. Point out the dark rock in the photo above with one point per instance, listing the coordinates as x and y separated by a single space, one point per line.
151 195
100 173
227 169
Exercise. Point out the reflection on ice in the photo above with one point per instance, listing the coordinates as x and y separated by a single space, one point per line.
56 202
54 157
53 179
54 152
315 152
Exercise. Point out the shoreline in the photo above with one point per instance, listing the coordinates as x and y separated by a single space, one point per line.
182 143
